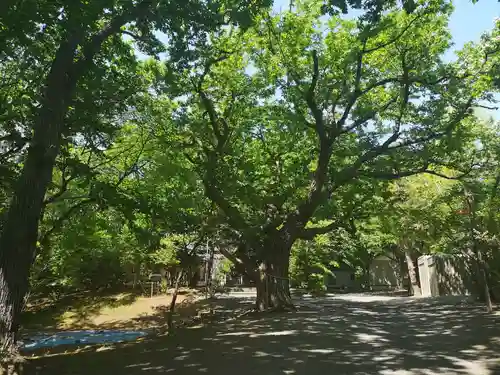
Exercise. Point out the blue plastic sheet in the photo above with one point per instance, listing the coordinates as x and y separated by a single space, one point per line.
80 337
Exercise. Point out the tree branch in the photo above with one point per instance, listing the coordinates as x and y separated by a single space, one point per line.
442 175
311 101
394 175
242 263
216 196
135 36
362 120
113 27
310 233
486 107
60 221
394 40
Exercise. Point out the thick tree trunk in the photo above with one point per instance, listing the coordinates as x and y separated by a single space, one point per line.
271 277
20 230
19 233
412 275
273 285
193 278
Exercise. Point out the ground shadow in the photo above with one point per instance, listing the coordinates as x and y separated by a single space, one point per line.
47 314
391 336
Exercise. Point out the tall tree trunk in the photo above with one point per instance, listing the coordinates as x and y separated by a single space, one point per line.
193 277
20 230
273 285
171 308
486 287
412 274
481 266
210 266
482 278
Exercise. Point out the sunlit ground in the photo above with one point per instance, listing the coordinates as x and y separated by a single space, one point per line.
348 334
109 311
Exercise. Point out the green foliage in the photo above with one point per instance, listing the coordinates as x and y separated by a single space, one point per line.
311 262
252 133
96 249
166 255
176 250
225 267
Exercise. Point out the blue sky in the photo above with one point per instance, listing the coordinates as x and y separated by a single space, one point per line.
467 22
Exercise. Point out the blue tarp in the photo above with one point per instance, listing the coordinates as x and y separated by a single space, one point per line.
80 337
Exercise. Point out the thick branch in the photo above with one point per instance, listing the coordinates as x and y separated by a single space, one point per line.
310 233
91 48
60 221
311 100
215 195
395 39
370 116
242 263
215 120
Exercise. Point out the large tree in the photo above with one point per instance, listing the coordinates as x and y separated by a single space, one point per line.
279 120
73 44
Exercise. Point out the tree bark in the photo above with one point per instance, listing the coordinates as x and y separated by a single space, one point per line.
481 266
19 234
487 295
171 308
20 230
210 266
273 285
412 275
482 278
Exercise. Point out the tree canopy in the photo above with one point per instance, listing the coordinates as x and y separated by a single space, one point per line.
292 143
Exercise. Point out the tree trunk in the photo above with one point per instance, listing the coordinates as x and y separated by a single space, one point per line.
481 266
210 266
19 234
12 364
412 275
193 277
20 230
171 308
481 276
273 285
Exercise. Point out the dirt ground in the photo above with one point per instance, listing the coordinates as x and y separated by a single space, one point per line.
130 315
125 310
342 335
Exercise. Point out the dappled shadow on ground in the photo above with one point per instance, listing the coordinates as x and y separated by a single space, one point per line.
46 314
398 336
107 310
191 312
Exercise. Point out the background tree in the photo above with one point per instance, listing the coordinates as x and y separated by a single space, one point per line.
71 43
